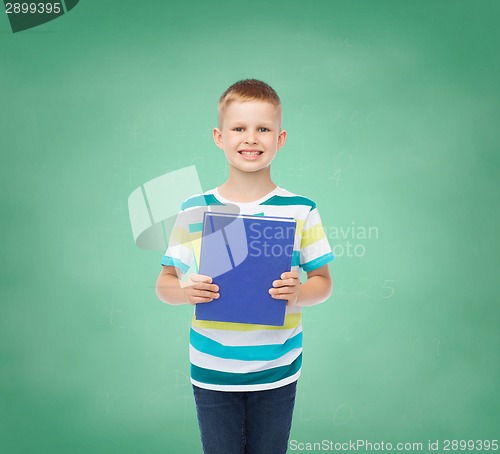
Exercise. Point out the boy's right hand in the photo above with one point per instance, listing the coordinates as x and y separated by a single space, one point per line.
199 289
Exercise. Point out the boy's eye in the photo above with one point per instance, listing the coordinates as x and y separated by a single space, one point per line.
240 129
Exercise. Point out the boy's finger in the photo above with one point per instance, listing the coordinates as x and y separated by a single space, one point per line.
280 291
200 278
290 275
197 300
205 286
285 282
205 294
281 296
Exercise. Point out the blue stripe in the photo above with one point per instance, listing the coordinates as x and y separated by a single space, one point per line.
243 353
171 261
289 200
296 258
196 227
200 201
272 375
317 262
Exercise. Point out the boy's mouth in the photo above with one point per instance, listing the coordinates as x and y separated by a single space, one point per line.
250 152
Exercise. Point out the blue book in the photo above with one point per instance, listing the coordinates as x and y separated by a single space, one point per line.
244 254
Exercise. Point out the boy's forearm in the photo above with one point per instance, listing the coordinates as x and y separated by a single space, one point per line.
169 290
314 291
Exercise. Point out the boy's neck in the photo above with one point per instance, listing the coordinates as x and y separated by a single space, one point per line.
247 186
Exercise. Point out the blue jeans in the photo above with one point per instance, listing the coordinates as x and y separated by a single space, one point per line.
251 422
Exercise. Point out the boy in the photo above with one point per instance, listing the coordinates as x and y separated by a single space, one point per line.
244 376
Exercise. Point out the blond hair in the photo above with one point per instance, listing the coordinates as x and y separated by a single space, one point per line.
248 90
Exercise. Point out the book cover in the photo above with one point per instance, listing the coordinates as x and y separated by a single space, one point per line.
244 254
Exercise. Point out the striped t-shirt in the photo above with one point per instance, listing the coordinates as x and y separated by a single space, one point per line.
238 356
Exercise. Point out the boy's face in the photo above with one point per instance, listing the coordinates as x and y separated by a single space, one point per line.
250 134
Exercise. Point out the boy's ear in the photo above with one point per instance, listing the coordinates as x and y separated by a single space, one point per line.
281 138
218 138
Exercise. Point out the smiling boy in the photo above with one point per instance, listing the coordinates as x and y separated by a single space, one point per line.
244 376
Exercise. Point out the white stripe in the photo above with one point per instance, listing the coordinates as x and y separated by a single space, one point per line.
249 338
181 252
312 219
293 309
299 211
243 388
315 250
201 359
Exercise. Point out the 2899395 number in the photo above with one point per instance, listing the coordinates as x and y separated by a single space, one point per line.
470 445
32 8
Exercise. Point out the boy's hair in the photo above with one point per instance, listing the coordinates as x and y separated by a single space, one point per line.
248 90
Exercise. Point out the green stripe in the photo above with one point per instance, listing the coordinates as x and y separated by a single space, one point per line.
200 201
243 352
171 261
196 227
316 263
274 374
295 200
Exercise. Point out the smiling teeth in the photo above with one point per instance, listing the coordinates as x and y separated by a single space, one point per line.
250 153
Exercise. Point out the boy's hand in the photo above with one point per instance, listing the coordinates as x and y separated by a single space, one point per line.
199 289
287 288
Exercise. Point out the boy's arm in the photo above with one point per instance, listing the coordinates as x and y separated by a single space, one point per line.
197 289
315 290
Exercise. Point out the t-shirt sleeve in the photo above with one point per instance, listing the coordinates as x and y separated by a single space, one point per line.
315 250
179 252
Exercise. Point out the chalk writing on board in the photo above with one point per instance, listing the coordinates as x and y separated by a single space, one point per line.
418 346
187 400
366 288
364 284
343 161
113 312
151 400
343 414
388 289
301 410
181 378
110 400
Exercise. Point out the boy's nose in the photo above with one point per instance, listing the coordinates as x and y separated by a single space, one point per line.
250 138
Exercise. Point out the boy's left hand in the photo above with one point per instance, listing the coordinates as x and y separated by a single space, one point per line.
287 288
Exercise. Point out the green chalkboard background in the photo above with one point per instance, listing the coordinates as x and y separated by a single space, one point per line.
392 116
